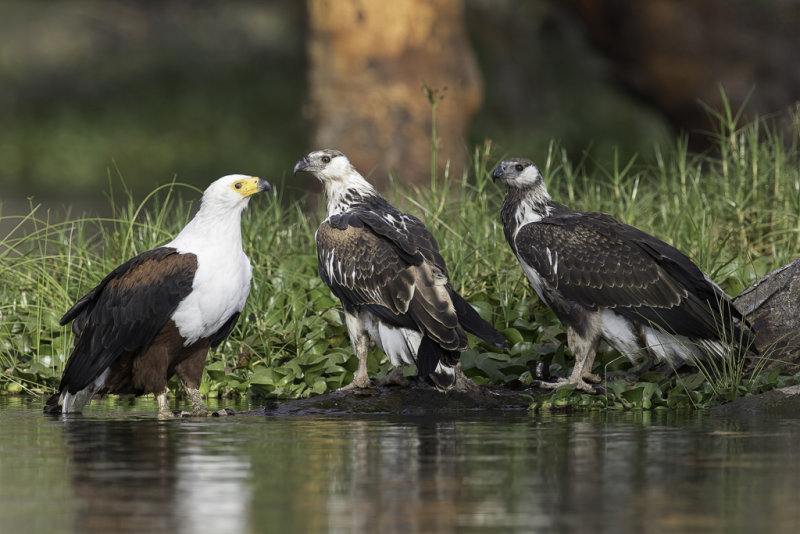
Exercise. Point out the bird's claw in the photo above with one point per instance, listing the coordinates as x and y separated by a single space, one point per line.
561 382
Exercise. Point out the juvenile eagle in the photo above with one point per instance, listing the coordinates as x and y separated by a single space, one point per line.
158 313
606 280
385 267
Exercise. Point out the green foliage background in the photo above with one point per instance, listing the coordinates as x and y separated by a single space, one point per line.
736 213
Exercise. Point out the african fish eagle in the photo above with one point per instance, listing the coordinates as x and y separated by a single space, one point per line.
605 280
385 267
159 313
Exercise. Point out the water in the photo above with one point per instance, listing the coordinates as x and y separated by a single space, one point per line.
118 469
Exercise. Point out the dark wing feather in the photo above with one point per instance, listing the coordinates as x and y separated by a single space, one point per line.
415 240
224 330
474 323
596 261
368 262
125 311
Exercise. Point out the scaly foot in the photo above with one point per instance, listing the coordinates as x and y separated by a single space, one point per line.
204 412
561 382
360 384
593 378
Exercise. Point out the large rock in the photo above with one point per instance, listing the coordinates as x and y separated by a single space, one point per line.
773 306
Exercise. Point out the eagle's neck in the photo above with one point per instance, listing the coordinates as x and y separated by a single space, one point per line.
349 192
215 228
524 205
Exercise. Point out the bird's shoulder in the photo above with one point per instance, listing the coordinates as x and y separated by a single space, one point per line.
158 274
388 230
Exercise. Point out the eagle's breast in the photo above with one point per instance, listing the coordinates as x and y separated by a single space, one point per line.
220 288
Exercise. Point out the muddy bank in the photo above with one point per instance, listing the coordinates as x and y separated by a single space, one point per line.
416 399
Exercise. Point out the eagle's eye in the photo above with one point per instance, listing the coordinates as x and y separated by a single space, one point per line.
326 159
519 167
238 185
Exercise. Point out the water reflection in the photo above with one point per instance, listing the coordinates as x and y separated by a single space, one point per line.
398 478
148 475
126 472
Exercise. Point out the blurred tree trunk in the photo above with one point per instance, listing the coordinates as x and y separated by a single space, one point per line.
673 54
368 62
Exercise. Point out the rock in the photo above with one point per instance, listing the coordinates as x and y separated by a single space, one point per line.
777 402
417 399
772 305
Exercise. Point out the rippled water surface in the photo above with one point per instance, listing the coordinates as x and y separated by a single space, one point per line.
118 469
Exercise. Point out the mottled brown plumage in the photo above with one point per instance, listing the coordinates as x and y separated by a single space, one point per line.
386 269
606 280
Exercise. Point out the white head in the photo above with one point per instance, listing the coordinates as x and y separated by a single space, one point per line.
327 165
343 183
520 173
232 192
218 219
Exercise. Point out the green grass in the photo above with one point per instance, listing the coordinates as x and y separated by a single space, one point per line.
736 213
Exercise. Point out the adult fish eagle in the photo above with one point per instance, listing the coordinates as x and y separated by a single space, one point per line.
385 267
606 280
158 313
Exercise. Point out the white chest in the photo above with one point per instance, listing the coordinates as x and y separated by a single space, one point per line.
220 288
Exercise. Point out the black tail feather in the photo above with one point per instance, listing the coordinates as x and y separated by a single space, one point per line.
52 406
443 380
474 323
430 354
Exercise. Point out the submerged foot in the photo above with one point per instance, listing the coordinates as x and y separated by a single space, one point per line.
201 412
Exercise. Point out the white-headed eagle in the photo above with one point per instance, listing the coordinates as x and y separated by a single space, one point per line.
385 267
605 280
159 313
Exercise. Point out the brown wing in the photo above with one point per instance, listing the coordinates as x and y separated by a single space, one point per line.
598 262
125 311
391 277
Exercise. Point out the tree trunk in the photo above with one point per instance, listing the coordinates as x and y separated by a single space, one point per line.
674 54
368 62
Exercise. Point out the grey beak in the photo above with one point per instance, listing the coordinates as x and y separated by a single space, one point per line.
498 171
301 164
264 185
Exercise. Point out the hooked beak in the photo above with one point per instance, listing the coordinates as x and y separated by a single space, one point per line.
499 171
253 185
264 185
302 164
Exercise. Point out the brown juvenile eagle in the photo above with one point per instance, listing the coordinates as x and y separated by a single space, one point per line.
606 280
158 313
385 267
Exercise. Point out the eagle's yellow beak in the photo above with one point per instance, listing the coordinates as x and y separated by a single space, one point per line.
251 185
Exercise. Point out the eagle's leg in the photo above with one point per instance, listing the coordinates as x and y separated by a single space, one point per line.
163 406
190 373
199 408
587 373
360 340
584 351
